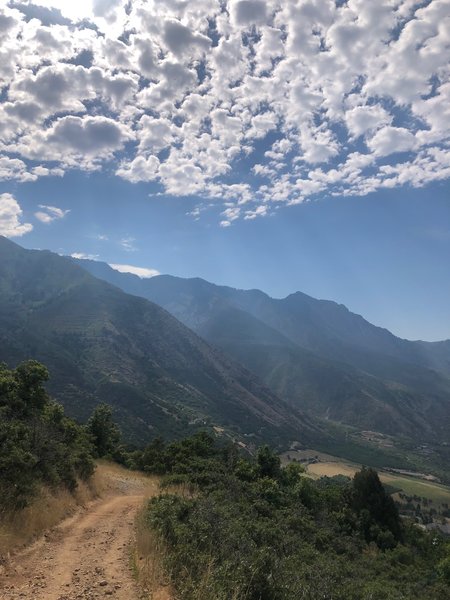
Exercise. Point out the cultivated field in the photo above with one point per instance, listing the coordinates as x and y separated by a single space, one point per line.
329 466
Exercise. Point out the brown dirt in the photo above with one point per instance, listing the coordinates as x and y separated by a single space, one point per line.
89 555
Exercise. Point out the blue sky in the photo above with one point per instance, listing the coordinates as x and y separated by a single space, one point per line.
286 146
385 255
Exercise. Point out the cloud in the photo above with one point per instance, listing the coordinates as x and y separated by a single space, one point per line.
141 272
139 169
127 244
362 119
249 12
391 139
48 214
244 102
14 168
81 140
84 256
11 224
180 38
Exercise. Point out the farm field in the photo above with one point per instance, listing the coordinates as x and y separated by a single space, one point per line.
329 466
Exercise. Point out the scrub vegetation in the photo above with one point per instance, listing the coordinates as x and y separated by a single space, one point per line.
226 526
252 530
39 445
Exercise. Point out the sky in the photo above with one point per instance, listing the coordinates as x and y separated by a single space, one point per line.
275 144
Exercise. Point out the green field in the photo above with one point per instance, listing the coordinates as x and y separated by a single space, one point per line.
329 466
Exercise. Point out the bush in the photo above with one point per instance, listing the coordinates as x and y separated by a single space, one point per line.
38 443
255 531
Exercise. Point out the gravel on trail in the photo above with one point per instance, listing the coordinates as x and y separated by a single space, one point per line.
88 556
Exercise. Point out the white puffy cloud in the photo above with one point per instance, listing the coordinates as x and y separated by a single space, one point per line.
142 272
14 168
391 139
248 102
11 224
80 140
229 215
139 169
361 119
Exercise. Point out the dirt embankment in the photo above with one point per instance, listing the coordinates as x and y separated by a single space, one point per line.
90 554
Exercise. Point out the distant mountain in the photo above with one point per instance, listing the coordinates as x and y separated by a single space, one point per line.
102 344
315 354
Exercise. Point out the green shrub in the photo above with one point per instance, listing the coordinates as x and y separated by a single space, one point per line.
256 531
38 443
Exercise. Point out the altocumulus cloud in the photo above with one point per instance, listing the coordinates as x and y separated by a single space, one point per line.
251 102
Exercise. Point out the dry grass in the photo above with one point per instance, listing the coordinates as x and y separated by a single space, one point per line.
45 511
329 469
150 553
49 508
149 561
183 490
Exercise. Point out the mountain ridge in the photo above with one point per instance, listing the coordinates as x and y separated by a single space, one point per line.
102 267
326 360
104 345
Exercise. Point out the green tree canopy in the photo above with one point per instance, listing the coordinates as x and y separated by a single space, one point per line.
380 520
104 432
38 443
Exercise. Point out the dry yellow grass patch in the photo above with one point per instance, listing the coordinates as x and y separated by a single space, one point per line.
49 507
45 511
149 562
150 552
329 469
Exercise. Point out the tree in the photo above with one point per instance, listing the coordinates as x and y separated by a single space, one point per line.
269 463
38 443
104 432
375 508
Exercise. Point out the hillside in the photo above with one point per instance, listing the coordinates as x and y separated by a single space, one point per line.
315 354
278 534
101 344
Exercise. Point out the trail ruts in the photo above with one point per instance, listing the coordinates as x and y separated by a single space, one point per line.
87 556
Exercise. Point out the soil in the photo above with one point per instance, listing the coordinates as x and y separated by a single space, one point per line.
87 556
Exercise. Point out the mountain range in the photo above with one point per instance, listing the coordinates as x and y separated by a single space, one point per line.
173 355
314 354
101 344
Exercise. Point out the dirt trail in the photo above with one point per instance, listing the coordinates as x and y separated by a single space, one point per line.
87 556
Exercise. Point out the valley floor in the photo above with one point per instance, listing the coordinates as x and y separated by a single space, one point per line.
90 554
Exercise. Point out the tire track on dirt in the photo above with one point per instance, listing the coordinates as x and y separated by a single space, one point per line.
87 556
